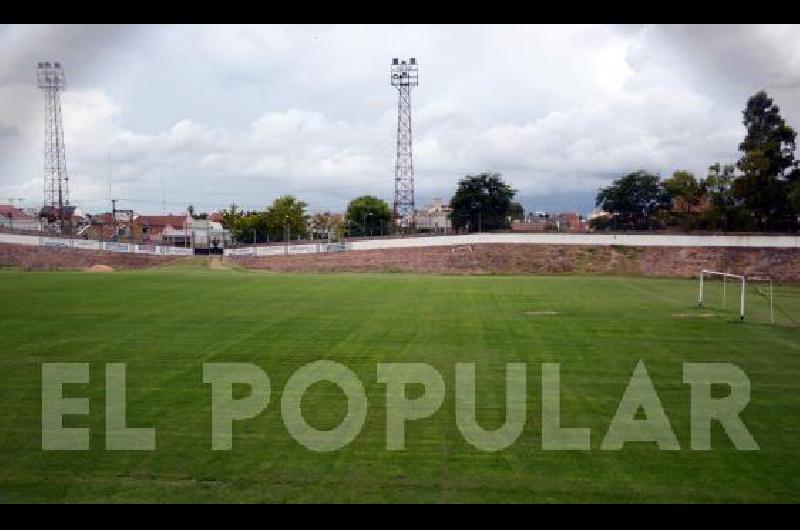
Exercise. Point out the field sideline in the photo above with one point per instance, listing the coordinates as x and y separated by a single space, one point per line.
164 323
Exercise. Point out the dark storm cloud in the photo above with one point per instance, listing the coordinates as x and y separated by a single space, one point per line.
83 49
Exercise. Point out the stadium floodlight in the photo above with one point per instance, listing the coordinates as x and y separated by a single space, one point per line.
724 276
404 76
51 79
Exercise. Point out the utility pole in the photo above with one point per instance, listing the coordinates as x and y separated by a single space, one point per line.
286 234
114 216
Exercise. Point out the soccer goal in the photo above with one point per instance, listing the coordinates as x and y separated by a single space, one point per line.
749 295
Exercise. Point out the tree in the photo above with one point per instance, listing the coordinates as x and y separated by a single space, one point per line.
516 212
326 226
230 216
767 165
251 227
194 215
723 213
633 200
684 190
368 215
286 218
482 202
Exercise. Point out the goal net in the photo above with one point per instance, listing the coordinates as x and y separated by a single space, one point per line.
723 292
754 298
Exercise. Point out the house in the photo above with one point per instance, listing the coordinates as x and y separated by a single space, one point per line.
324 225
184 231
551 222
570 222
12 218
102 227
151 227
434 217
206 234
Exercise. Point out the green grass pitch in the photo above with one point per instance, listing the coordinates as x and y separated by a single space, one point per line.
165 323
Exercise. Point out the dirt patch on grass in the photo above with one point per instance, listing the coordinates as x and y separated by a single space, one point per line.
542 313
693 315
99 268
218 265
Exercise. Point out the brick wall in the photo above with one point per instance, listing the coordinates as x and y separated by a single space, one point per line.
47 258
782 264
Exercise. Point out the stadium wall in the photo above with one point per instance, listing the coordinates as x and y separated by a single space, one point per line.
782 264
57 257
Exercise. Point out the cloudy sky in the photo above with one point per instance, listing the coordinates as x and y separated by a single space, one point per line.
165 116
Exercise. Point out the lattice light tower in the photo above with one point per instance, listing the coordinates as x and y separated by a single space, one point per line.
404 75
50 78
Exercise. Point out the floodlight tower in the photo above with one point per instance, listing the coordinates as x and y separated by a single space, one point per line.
50 78
404 75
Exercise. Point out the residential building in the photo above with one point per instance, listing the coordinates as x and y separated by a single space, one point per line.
16 219
151 227
434 217
551 222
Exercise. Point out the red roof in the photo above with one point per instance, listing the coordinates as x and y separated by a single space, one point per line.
7 210
216 217
176 221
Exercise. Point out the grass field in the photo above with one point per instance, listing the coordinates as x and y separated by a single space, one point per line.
165 323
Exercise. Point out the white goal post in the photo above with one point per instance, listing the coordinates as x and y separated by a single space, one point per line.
725 276
739 278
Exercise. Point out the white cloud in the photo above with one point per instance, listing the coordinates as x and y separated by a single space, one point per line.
217 114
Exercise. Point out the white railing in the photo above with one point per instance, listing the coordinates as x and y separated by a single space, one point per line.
90 244
639 240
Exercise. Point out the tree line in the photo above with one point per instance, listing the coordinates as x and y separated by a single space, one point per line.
481 202
286 219
760 192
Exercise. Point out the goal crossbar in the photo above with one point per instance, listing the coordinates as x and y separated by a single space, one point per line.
724 276
743 279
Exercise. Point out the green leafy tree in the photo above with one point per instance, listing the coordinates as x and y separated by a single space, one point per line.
250 227
633 200
196 215
230 216
767 166
286 217
516 212
723 212
368 215
482 202
685 191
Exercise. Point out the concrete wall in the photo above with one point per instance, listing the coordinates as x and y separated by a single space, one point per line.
52 258
782 264
636 240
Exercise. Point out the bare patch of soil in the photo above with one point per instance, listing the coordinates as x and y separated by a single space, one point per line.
99 268
693 315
